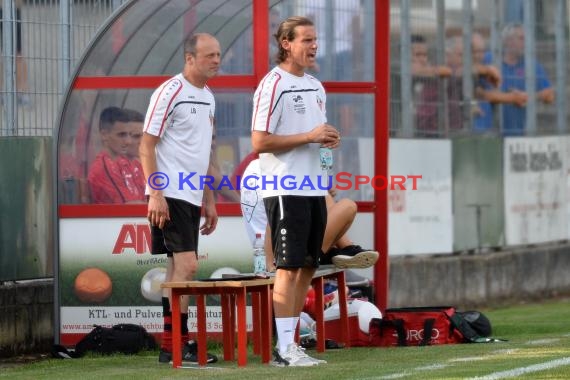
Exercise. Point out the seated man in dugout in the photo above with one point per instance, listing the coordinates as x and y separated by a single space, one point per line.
338 249
136 121
111 178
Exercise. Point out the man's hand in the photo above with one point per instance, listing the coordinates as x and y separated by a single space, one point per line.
546 95
443 71
519 98
157 213
493 75
211 219
326 135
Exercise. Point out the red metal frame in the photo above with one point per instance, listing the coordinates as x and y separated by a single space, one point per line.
382 119
151 82
130 210
380 88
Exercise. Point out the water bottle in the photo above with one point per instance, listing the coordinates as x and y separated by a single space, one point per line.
259 254
326 156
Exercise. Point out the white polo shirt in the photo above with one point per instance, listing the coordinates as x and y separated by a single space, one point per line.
285 104
182 115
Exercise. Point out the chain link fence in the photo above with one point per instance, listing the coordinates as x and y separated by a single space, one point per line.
437 88
42 41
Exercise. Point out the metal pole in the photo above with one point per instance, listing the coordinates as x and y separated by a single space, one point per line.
561 54
406 71
495 45
442 108
367 22
478 225
65 42
530 66
467 64
10 122
330 43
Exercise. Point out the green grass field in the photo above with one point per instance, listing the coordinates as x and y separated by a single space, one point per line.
538 347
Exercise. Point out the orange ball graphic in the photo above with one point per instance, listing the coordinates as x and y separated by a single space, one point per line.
93 285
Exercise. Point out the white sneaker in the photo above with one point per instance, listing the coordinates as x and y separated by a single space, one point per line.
318 361
293 357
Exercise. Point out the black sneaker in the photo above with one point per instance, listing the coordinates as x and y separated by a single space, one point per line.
326 258
354 256
189 354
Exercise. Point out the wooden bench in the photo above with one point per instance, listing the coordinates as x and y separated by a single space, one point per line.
233 304
232 293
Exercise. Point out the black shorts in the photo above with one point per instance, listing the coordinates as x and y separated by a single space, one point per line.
180 233
297 229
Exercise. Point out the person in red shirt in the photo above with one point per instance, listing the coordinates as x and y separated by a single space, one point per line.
136 121
111 178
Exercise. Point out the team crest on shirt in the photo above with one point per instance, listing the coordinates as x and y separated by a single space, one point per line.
249 199
299 104
320 103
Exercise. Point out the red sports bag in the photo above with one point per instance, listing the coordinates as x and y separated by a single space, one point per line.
415 326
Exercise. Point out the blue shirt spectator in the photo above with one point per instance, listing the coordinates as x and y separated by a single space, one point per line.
513 72
514 118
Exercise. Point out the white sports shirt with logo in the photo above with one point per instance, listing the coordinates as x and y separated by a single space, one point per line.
182 116
286 104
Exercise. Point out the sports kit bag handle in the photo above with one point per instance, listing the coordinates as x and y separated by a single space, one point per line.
428 327
398 325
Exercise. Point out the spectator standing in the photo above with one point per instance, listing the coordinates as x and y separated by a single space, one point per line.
23 98
426 87
487 93
513 72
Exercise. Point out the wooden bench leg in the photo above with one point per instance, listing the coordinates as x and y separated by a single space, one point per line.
233 322
319 312
256 321
241 327
202 336
343 306
227 327
176 330
266 324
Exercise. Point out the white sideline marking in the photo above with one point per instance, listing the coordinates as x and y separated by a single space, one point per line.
431 367
468 359
522 370
394 376
506 351
496 375
543 341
